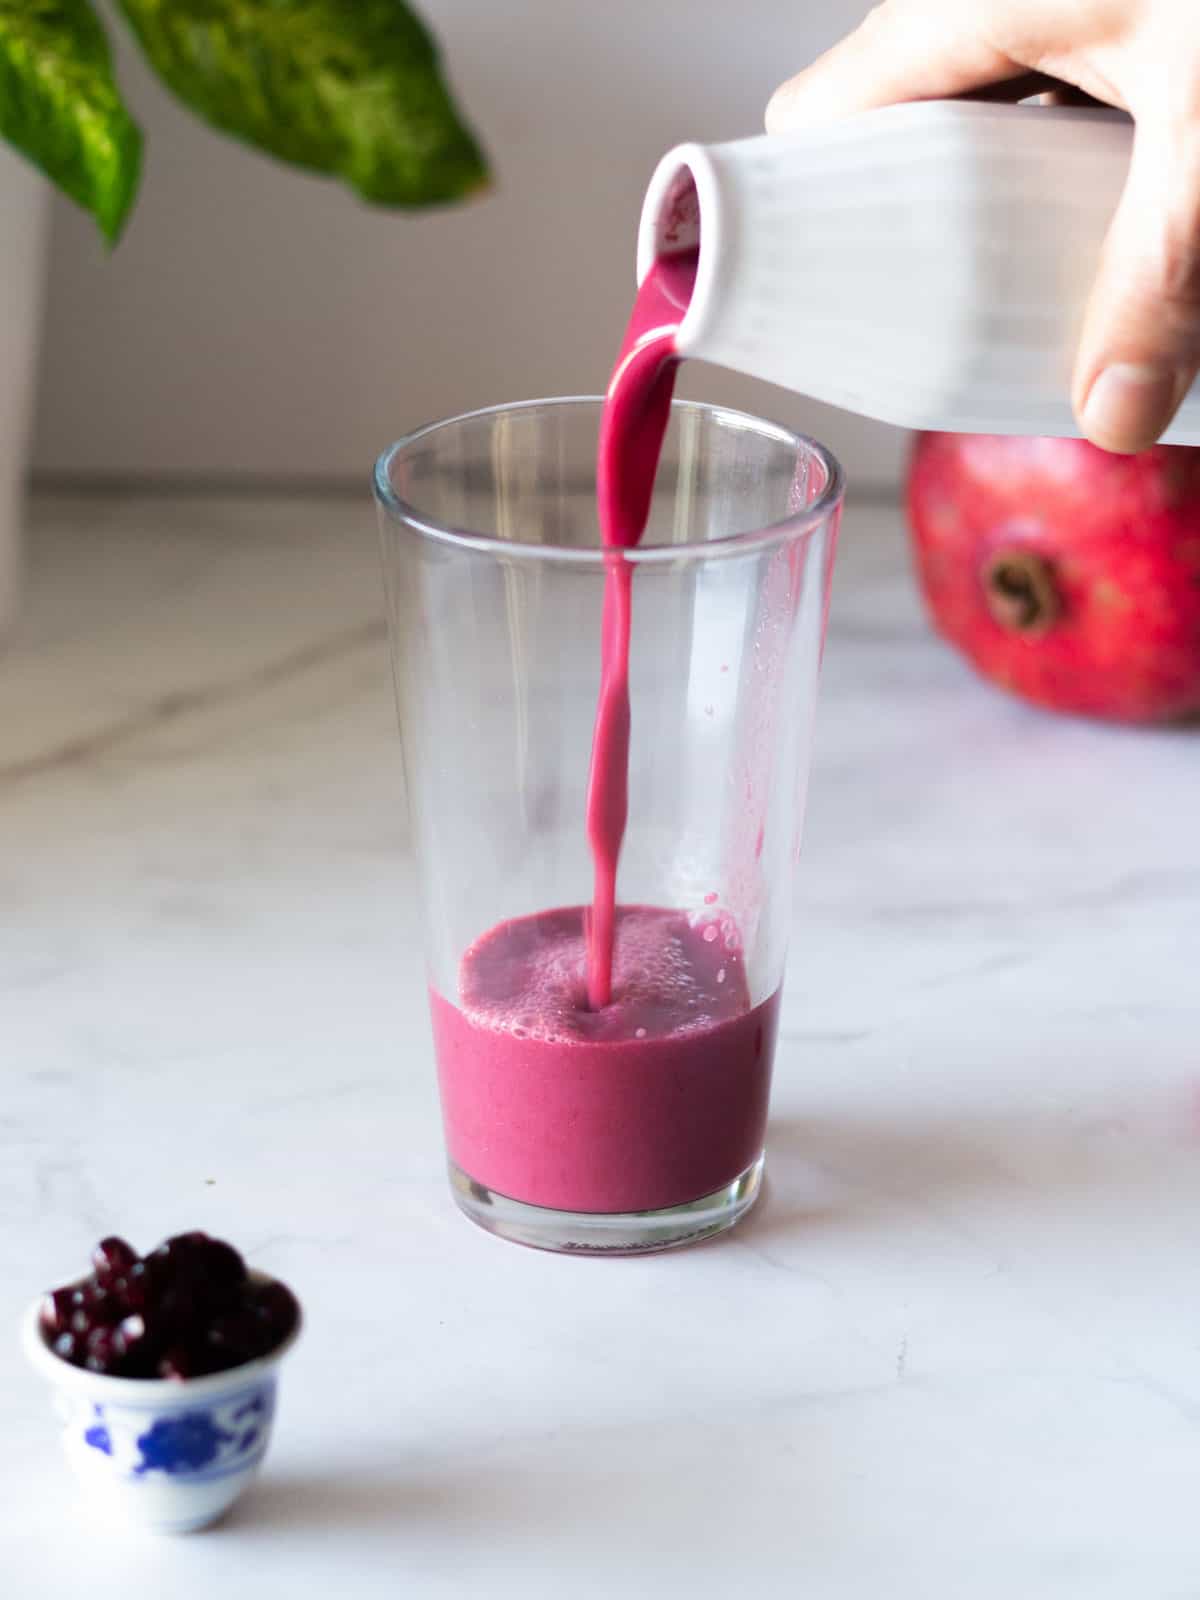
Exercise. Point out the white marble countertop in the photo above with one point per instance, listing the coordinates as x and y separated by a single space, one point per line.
956 1351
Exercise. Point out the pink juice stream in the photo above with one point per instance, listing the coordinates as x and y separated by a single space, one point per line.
637 408
608 1058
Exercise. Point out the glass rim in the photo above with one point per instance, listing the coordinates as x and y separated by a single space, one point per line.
787 529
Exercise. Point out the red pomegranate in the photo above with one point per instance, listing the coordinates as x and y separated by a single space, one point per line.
1065 574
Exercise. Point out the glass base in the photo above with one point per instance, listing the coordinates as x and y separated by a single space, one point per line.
619 1233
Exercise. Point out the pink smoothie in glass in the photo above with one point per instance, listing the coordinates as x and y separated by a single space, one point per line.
657 1099
608 1058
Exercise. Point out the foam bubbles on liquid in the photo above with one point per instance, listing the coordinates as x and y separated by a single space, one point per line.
527 978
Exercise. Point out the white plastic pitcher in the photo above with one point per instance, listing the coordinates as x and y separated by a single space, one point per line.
927 265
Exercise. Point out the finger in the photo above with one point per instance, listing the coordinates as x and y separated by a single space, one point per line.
1140 348
897 53
1066 94
1029 86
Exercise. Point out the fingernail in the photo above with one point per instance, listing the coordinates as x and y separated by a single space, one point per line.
776 119
1130 404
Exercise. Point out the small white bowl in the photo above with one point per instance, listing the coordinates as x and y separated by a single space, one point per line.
166 1454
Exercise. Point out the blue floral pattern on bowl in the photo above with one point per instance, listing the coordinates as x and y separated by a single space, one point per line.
193 1441
97 1436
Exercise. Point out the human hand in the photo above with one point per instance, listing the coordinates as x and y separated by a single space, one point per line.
1140 346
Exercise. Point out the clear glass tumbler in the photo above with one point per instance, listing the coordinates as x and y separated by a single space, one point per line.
567 1129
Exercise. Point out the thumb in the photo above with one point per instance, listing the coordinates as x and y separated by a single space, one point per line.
896 53
1140 347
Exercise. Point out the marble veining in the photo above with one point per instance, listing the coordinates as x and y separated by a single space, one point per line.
955 1351
177 703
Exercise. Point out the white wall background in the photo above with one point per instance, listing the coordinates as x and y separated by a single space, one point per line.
255 321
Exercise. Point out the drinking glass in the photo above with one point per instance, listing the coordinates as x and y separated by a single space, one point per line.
558 1135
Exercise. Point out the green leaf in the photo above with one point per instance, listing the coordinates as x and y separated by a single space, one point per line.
60 105
348 87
